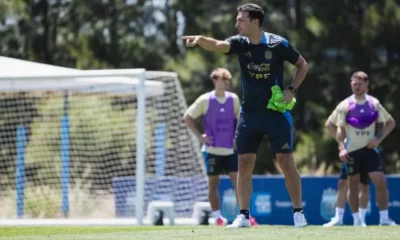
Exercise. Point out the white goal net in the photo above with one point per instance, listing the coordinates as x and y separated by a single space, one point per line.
68 148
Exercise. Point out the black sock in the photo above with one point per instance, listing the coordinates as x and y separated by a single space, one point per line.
245 212
298 210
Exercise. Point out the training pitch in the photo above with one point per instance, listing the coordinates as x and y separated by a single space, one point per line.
200 233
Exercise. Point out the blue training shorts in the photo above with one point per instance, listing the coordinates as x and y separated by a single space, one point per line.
251 128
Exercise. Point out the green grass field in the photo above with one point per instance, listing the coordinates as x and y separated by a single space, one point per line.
199 233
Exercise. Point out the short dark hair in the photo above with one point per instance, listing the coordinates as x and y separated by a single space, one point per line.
360 75
254 11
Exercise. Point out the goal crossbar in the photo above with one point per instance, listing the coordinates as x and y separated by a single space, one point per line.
77 74
121 81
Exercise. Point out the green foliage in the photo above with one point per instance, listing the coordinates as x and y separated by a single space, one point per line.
335 37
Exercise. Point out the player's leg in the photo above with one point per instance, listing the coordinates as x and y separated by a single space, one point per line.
341 199
213 197
292 178
381 193
280 135
231 166
233 177
293 186
213 168
364 196
353 185
244 179
375 173
353 199
247 143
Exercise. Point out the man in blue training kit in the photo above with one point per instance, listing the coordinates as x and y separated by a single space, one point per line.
261 57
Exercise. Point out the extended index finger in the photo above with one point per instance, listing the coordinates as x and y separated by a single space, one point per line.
186 37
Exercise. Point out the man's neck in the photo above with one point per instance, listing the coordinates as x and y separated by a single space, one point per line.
257 37
219 93
360 97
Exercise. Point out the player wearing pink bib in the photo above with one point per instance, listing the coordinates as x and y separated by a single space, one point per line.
219 110
361 127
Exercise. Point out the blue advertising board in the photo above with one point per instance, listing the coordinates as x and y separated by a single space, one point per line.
270 202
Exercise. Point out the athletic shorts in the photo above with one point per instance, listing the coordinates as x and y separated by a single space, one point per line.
216 164
364 161
275 125
364 178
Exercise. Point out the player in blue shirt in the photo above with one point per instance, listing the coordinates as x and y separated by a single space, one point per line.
261 57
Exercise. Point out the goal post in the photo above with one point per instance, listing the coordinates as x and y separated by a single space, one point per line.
79 155
81 80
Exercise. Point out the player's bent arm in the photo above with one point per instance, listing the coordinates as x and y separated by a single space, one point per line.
385 117
390 124
190 123
302 69
236 105
340 137
379 130
331 128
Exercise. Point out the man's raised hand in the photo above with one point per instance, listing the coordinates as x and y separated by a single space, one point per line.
191 41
